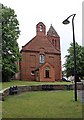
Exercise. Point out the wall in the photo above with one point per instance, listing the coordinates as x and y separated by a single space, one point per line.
4 93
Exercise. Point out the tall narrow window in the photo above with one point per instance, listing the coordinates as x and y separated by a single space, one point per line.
47 70
41 27
41 58
55 43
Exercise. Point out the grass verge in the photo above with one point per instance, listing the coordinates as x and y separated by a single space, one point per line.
17 82
42 105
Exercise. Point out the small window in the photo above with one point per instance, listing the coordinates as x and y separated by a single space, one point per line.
47 70
32 72
53 41
41 58
41 27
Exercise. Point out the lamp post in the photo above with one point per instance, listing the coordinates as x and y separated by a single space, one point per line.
66 21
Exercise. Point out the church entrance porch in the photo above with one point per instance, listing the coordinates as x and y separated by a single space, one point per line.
45 72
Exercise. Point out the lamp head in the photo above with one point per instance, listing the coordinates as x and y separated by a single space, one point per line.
66 21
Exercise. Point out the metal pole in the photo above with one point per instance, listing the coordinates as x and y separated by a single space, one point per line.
75 75
66 21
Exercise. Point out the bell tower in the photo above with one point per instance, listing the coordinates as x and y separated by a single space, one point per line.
53 37
40 29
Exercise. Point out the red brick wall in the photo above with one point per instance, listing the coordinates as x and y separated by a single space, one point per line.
57 43
31 60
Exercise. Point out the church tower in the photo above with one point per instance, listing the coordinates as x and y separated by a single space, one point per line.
40 29
53 37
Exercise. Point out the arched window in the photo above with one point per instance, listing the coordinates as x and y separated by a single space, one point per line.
53 41
41 27
32 72
41 58
47 71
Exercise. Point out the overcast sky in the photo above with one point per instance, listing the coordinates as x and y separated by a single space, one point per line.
30 12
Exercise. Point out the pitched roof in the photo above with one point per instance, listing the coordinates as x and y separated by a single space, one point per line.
52 32
41 65
40 42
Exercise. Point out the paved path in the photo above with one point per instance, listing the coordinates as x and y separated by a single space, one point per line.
81 95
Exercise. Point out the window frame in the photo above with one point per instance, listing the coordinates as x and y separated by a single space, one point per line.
42 58
47 72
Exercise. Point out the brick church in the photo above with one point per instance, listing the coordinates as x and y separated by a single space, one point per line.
41 56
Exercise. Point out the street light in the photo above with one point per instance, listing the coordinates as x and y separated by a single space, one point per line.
66 21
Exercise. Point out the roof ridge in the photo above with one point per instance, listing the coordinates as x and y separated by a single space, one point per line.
28 42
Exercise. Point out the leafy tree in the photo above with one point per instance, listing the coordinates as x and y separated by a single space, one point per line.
69 64
0 44
10 49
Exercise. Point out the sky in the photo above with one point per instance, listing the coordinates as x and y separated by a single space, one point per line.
31 12
82 23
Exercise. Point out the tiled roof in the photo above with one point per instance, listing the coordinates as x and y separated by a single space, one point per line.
52 32
40 42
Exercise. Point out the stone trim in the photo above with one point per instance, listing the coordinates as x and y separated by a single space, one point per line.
23 88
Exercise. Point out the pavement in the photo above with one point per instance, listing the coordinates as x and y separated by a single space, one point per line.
81 95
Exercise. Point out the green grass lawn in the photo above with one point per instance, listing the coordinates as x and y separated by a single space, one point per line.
17 82
50 104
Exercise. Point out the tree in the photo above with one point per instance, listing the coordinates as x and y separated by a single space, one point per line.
0 44
69 64
10 49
